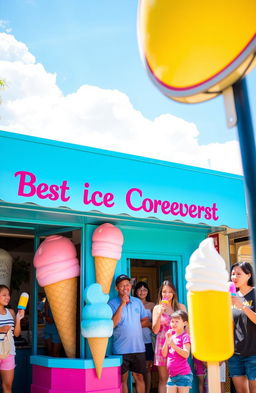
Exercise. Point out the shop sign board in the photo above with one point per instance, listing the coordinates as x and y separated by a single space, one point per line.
56 175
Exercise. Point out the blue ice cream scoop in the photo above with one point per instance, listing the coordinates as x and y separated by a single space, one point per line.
97 324
96 314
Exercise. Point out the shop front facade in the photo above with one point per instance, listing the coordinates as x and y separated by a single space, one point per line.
164 211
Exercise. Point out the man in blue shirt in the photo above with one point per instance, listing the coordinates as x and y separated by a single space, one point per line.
129 316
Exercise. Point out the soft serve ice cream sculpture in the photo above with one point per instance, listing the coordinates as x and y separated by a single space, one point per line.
97 324
57 269
209 309
107 241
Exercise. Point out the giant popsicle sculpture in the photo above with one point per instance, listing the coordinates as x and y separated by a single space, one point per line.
209 310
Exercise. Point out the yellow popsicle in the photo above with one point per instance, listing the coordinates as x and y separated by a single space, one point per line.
210 324
23 301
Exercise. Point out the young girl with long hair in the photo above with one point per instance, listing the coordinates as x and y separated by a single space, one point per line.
167 304
8 321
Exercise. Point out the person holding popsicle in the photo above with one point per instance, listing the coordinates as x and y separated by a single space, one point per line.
177 349
242 365
167 304
9 322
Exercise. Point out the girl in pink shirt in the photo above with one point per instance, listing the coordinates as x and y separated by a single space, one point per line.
177 349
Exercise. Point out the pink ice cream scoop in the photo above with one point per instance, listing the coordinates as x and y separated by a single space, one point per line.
107 241
55 260
57 268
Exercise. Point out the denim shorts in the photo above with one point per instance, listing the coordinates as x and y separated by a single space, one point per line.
180 380
242 365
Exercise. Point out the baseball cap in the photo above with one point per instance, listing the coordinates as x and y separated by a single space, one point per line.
121 278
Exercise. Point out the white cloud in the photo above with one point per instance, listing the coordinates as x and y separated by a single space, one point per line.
33 104
4 26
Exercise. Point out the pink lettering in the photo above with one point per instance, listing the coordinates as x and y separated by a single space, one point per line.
207 215
108 198
96 194
166 207
64 188
26 182
42 190
128 198
183 213
214 210
53 190
147 205
174 208
200 210
192 211
97 198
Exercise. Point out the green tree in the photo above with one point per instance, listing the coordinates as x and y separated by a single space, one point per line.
2 86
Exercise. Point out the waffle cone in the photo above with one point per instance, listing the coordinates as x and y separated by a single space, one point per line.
105 269
98 347
62 298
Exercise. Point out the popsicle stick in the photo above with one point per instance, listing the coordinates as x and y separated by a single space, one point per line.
213 377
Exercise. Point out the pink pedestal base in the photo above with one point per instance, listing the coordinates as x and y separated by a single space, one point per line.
65 380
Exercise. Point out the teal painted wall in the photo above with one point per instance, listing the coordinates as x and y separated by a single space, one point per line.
151 243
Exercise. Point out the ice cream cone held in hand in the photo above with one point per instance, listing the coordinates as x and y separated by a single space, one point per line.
107 241
97 324
57 269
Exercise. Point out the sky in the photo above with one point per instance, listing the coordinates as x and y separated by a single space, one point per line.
74 73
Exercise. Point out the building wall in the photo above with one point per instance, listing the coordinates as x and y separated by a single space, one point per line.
152 243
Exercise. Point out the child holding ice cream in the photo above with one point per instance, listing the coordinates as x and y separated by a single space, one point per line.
177 349
8 322
167 304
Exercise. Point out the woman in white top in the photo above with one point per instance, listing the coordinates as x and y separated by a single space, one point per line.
8 321
141 291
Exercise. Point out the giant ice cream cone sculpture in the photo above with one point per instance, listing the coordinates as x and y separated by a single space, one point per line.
6 261
97 324
57 269
107 241
209 310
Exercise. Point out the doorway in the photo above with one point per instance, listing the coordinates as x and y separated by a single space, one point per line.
153 272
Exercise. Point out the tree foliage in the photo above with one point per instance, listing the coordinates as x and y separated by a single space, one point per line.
2 86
